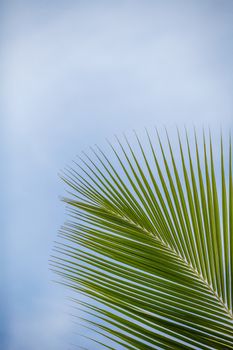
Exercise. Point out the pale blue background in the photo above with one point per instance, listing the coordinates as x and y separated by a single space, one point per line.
72 73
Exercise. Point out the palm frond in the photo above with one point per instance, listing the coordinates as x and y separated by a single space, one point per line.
150 243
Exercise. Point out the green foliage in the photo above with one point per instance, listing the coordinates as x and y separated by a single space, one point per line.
150 242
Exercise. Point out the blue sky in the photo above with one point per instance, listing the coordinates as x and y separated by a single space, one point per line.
75 72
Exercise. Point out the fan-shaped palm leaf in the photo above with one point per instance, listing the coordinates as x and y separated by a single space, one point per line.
150 241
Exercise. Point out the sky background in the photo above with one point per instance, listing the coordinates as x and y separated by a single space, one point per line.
72 74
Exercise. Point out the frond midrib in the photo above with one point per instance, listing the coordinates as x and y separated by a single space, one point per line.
227 311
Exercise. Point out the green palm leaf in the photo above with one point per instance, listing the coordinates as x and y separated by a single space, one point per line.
150 243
